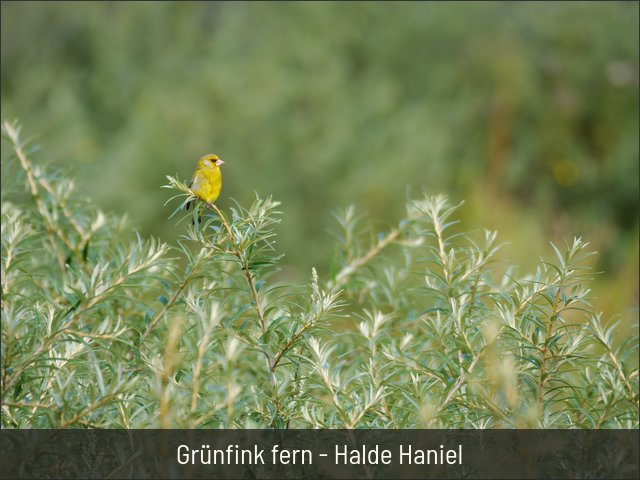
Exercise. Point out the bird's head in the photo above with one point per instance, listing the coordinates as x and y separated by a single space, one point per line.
209 161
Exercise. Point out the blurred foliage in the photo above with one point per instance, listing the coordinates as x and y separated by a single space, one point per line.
102 328
529 112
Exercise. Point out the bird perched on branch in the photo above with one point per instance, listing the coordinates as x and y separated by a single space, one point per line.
207 180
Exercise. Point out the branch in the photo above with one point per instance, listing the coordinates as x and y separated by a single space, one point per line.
346 272
34 184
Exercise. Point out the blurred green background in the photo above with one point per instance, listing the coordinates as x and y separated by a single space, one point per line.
528 112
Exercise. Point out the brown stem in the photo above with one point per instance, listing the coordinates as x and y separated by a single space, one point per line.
224 221
289 344
544 350
42 208
344 274
86 411
158 316
250 281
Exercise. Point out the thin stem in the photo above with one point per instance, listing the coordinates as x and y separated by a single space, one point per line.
7 265
442 250
346 272
213 206
31 406
198 368
7 358
244 261
168 368
245 267
33 183
158 316
545 350
290 343
461 380
86 411
16 375
254 292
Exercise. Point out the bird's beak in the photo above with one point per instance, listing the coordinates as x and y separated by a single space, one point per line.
219 162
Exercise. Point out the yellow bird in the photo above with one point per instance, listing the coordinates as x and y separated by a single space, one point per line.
207 179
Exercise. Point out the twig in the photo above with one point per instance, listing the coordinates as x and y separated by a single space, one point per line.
35 193
250 281
344 274
158 316
213 206
245 267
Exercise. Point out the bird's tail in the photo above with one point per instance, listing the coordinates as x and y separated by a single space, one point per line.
188 206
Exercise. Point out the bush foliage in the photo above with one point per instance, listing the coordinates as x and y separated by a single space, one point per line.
416 326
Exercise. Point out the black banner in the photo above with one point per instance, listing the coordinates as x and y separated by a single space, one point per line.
282 454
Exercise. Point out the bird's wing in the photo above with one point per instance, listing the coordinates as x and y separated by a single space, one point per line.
196 181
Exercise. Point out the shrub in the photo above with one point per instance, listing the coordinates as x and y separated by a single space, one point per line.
415 326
